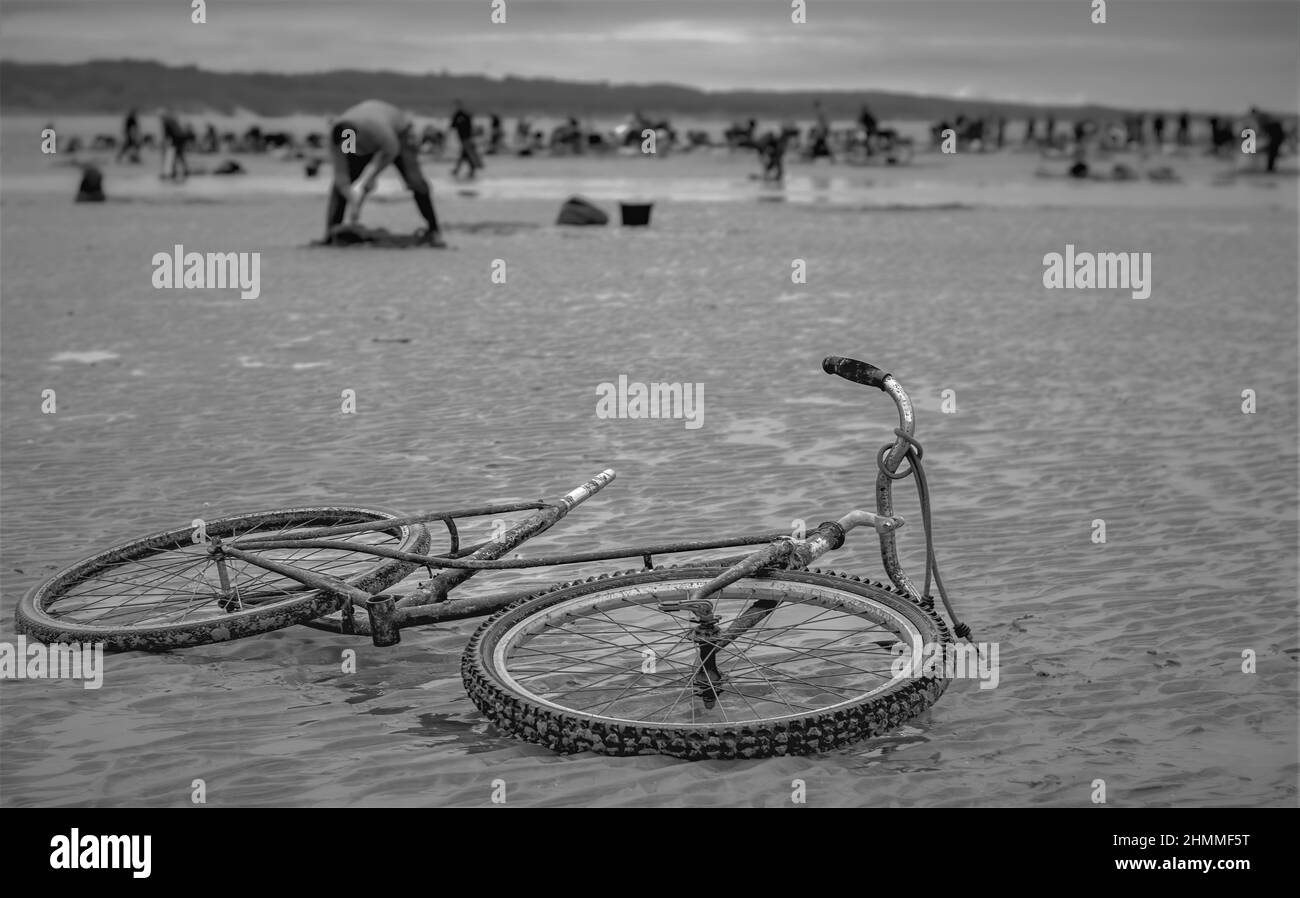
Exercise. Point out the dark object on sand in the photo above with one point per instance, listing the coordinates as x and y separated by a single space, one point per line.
636 214
229 167
1079 170
311 168
360 235
92 185
577 211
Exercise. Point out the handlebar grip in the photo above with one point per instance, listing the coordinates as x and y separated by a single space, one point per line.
858 372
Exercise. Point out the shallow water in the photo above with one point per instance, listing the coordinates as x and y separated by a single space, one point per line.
1119 661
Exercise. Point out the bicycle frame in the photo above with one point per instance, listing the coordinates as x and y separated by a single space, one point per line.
430 603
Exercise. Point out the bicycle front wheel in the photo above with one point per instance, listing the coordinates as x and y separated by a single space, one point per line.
164 591
803 662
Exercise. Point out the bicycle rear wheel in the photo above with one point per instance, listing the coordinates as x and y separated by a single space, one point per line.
164 592
823 661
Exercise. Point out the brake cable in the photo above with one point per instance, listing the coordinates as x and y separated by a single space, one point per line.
913 455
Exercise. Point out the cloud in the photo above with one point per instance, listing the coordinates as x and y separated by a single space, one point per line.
1162 53
682 31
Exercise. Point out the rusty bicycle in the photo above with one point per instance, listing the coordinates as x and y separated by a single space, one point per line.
746 655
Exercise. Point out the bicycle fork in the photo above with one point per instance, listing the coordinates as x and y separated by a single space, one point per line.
708 637
707 679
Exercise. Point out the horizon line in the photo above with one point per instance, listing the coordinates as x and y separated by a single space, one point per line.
605 82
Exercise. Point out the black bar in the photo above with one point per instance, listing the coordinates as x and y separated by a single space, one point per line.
953 850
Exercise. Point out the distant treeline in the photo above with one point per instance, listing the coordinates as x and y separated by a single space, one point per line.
111 86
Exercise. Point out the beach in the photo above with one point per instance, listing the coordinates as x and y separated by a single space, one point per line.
1121 660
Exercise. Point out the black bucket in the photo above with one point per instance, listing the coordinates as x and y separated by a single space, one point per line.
91 189
636 214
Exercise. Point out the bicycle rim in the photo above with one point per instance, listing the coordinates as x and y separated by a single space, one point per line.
602 666
164 591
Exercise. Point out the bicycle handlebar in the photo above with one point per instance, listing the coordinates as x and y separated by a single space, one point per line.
888 459
858 372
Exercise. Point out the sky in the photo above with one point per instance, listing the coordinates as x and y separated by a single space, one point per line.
1220 54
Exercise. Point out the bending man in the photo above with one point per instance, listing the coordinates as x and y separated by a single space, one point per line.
364 140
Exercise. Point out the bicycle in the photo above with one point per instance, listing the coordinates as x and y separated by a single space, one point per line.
742 656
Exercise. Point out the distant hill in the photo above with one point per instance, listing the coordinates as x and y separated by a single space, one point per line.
111 86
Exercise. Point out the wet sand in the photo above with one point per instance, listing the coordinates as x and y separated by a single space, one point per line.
1119 661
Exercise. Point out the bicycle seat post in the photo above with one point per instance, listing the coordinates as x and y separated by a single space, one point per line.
384 629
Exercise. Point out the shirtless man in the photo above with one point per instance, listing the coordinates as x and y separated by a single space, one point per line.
364 140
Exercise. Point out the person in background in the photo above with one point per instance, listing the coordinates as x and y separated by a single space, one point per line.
869 125
210 142
1220 135
463 124
498 135
364 140
1270 127
1141 119
130 137
432 139
1184 136
821 133
174 139
573 136
771 152
1158 125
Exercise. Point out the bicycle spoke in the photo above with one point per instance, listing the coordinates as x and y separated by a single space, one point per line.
177 583
800 657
